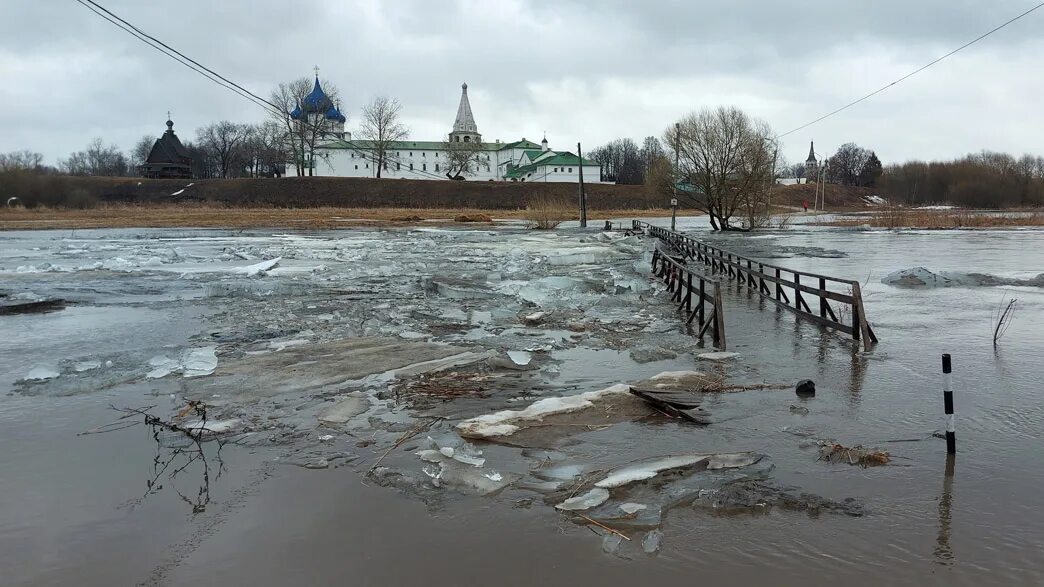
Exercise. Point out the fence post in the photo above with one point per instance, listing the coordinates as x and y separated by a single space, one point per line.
688 295
951 433
779 288
702 294
797 291
822 298
719 319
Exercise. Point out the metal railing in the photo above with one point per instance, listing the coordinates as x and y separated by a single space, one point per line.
755 274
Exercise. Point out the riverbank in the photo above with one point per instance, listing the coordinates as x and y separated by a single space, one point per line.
940 219
195 215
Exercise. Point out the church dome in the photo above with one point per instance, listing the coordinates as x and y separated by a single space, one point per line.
334 114
317 100
296 112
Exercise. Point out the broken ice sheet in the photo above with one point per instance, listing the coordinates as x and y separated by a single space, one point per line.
195 362
41 374
651 541
585 501
507 422
257 268
649 468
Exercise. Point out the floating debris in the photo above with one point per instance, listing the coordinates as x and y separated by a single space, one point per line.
856 455
805 388
32 307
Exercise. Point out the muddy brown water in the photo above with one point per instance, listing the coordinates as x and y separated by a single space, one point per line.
71 507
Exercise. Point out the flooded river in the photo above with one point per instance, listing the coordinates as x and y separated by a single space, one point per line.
318 352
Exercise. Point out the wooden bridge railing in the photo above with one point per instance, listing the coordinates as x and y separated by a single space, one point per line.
756 274
685 284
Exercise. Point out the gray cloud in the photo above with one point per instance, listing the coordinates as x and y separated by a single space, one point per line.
581 70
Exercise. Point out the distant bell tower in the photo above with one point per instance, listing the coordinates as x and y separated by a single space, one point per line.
811 165
464 128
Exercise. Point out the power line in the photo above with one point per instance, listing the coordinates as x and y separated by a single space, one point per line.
155 45
912 73
210 74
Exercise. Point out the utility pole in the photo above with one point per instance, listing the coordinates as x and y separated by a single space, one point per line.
583 196
772 178
674 178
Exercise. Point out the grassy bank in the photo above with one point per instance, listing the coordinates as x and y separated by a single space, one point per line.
201 215
55 191
942 219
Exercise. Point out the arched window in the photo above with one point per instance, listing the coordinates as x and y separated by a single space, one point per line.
457 139
467 139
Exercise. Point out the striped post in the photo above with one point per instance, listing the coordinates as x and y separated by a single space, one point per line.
951 435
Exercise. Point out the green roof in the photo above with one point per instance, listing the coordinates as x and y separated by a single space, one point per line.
565 158
399 145
523 144
532 154
562 159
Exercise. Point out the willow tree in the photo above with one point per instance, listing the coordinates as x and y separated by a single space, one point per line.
724 163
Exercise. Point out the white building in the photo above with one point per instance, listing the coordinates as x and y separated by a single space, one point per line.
519 161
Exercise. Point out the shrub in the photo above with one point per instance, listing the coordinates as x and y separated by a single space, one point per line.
546 213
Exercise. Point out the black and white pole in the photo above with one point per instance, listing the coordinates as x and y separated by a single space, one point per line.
951 435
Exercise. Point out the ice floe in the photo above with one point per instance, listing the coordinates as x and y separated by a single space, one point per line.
195 362
41 374
585 501
507 422
650 468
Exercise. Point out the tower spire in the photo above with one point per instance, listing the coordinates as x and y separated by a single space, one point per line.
811 152
465 122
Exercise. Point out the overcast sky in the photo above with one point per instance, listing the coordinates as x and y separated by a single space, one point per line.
583 70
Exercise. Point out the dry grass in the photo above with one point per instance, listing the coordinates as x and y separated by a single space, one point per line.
545 213
201 215
941 219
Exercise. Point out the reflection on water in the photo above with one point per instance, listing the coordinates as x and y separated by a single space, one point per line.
943 551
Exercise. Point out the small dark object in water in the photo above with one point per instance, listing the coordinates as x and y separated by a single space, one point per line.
39 307
806 388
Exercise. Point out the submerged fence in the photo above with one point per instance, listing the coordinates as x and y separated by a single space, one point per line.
755 274
685 284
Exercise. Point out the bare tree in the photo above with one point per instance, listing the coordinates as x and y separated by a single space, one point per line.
381 126
20 161
140 151
652 152
724 161
224 140
464 158
622 161
97 159
265 150
847 163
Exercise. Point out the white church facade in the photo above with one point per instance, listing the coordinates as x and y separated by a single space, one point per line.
518 161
